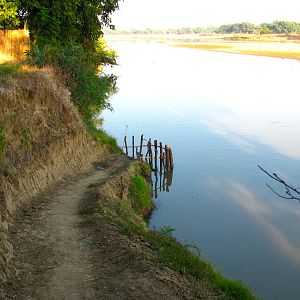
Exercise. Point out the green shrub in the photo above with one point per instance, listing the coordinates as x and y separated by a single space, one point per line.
90 91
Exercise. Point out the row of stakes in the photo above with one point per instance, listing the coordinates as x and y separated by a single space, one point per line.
160 154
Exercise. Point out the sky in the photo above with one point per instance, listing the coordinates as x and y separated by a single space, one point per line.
141 14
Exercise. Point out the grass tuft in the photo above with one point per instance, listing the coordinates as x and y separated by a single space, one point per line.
9 69
139 192
102 137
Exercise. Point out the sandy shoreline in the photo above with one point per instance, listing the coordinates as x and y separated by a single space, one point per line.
263 45
274 49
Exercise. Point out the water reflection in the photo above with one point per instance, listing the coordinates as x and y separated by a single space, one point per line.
290 191
161 181
223 115
263 214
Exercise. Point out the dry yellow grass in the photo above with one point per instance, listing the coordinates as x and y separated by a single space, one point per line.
274 49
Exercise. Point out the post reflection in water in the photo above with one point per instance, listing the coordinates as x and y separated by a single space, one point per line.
161 181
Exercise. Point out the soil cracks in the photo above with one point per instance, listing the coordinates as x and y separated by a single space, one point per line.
61 254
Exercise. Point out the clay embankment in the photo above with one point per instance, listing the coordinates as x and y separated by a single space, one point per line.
43 140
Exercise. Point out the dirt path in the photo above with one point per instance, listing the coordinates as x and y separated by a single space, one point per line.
50 252
62 254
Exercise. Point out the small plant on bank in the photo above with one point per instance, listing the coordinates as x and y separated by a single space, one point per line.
139 194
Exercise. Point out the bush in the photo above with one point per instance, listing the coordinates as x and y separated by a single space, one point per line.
90 91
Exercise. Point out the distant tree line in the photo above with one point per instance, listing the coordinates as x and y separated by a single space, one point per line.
276 27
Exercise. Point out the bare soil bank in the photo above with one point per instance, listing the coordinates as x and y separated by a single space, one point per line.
42 139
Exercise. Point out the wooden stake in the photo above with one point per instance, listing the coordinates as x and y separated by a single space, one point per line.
167 158
171 158
160 157
155 154
125 142
133 146
150 154
141 145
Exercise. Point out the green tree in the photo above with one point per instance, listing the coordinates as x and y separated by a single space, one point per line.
66 20
9 14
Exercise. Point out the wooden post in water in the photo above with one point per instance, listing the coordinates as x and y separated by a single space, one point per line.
171 158
125 142
141 147
167 158
150 154
155 154
133 146
160 157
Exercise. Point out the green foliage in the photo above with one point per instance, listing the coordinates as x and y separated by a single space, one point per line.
167 230
9 14
90 92
100 136
65 20
140 194
232 289
277 27
108 55
2 140
238 28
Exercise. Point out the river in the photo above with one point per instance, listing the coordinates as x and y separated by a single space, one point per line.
223 114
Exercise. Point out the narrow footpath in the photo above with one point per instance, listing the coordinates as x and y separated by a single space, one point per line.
61 254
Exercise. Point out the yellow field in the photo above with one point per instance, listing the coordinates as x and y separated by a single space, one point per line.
274 49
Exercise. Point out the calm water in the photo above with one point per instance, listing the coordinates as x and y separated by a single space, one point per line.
223 114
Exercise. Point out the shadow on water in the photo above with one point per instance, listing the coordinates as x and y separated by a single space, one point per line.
290 191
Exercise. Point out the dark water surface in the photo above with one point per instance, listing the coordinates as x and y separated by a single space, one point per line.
223 114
